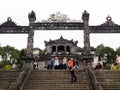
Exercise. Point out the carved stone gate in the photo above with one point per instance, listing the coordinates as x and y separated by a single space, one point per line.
59 22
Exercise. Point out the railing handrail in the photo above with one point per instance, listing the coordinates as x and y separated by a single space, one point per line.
18 85
95 84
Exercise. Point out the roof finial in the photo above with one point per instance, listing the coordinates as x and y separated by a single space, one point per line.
9 19
108 18
61 37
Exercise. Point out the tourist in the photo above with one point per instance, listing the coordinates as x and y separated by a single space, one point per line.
113 67
51 64
118 61
99 66
72 70
73 76
94 64
76 65
56 63
71 63
35 64
64 63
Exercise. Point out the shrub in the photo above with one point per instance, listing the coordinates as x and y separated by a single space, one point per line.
8 67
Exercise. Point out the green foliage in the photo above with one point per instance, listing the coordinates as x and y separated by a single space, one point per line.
8 52
21 56
118 51
79 49
107 54
3 63
7 67
41 52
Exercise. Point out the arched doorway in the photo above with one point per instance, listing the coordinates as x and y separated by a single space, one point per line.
53 49
68 49
61 48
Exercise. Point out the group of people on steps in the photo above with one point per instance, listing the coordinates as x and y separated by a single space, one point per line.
71 64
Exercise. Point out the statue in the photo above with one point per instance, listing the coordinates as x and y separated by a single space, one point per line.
32 15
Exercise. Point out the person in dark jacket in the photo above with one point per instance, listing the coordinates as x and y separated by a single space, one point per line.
73 76
76 64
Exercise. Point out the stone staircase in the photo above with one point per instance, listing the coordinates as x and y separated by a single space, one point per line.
108 79
60 80
55 80
7 77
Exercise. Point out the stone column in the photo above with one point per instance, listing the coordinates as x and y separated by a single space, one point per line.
86 54
32 18
85 18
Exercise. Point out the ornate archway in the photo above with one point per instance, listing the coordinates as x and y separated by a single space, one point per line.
60 23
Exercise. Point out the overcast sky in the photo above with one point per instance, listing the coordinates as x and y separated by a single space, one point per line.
99 9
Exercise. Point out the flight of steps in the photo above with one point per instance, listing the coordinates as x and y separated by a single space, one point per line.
55 80
108 79
7 77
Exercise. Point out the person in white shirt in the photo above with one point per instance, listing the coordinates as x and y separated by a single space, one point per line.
64 63
56 63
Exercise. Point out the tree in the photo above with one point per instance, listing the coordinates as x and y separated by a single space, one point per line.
9 55
107 54
79 49
41 52
118 51
22 54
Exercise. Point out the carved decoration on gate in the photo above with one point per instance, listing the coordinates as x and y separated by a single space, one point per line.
9 23
59 17
109 22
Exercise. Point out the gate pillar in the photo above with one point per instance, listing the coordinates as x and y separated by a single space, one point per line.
30 42
86 54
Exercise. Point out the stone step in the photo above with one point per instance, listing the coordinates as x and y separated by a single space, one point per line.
109 76
109 84
41 74
55 80
109 79
54 70
55 88
55 74
7 77
87 88
60 86
107 72
110 88
3 88
77 83
50 75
